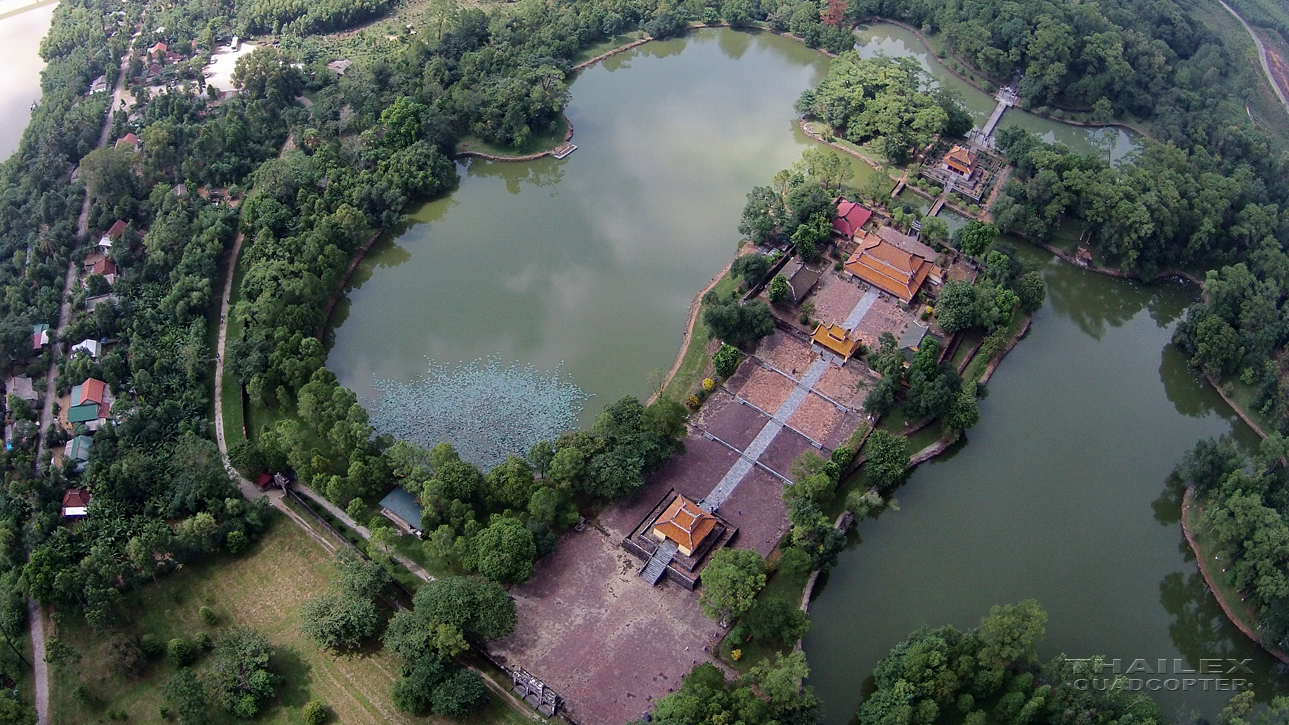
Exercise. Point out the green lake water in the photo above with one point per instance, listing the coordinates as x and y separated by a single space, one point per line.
1062 494
20 36
590 262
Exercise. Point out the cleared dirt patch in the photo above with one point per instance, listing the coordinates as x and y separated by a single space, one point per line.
766 389
756 508
846 385
731 421
884 316
816 417
783 450
835 297
606 640
786 353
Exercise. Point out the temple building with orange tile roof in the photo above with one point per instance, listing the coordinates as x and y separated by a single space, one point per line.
684 523
889 268
834 338
960 161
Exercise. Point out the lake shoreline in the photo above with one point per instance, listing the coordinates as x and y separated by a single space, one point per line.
1202 559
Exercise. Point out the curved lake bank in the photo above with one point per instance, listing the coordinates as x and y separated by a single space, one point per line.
592 261
20 36
1061 493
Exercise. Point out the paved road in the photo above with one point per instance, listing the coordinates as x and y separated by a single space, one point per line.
37 623
47 411
65 310
1262 56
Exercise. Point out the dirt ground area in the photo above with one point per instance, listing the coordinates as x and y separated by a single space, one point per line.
598 634
693 473
766 389
733 423
756 508
847 385
786 353
783 450
884 316
816 417
589 591
835 298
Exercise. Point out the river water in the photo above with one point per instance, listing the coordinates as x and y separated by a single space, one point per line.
1061 493
21 31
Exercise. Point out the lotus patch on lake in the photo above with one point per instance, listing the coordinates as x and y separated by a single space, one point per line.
486 410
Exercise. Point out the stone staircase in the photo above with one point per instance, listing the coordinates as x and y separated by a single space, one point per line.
657 564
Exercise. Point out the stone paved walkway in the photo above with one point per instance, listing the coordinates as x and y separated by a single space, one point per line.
749 457
861 308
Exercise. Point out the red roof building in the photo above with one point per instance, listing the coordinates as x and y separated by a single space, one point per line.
118 228
91 392
158 50
76 503
105 267
850 218
128 139
684 523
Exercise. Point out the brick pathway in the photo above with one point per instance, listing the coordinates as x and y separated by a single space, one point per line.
744 464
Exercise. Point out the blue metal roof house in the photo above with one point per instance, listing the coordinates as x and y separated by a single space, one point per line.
403 509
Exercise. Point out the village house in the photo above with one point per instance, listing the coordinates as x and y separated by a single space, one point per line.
98 85
851 217
104 267
158 51
39 336
911 341
89 403
340 66
20 387
78 451
93 302
76 503
113 234
887 267
835 339
403 509
129 141
93 348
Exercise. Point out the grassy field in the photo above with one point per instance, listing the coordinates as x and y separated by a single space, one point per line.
264 589
694 366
